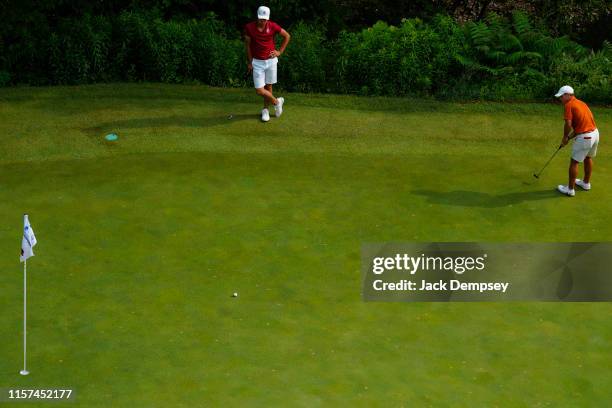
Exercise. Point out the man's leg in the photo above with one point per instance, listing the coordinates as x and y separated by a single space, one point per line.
268 88
573 173
271 79
267 95
259 79
588 169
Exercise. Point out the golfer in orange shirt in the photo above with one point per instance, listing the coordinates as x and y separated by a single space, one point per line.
580 121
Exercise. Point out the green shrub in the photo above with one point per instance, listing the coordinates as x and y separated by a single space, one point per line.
412 59
5 78
217 60
79 51
589 76
172 50
178 51
511 59
451 40
25 57
135 58
496 58
302 67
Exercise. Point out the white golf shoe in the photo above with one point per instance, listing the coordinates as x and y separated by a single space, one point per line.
583 185
265 115
566 190
278 108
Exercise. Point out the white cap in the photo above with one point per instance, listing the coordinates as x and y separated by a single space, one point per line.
263 13
565 89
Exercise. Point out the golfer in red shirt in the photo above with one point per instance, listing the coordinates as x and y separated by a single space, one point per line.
262 58
579 120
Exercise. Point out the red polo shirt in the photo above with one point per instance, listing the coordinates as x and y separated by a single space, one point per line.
262 42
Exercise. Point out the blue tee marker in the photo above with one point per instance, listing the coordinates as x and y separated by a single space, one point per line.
111 137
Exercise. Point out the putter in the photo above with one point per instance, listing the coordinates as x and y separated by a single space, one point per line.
538 174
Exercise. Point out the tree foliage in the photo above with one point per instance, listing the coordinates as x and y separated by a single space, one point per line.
472 49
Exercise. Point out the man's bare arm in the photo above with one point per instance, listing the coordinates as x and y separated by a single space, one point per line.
286 38
567 132
247 44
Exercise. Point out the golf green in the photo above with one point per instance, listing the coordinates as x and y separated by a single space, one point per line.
142 241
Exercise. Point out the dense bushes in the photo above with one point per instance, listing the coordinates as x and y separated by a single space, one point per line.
303 67
509 58
79 51
496 58
412 59
131 47
134 43
591 75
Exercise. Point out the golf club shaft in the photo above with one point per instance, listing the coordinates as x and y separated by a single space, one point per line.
572 135
549 160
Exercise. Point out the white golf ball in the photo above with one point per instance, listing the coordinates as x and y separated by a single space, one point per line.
235 294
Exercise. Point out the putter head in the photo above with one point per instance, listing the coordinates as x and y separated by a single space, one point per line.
536 176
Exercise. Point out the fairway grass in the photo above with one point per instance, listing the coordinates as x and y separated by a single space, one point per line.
143 241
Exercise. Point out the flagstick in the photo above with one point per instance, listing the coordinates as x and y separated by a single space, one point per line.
24 371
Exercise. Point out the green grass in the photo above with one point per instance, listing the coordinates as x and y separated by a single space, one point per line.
142 242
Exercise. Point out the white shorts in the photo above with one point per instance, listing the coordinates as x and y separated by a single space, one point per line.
264 72
585 145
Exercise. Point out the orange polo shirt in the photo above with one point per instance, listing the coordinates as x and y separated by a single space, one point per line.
580 115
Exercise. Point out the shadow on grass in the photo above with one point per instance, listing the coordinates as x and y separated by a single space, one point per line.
166 121
462 198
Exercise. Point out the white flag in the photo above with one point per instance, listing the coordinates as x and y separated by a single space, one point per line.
28 241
